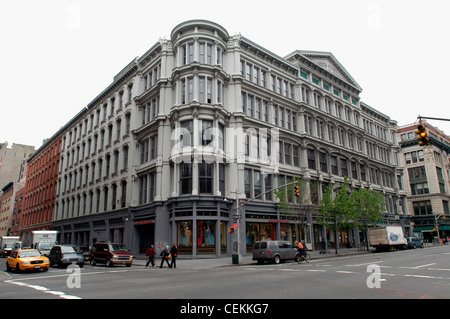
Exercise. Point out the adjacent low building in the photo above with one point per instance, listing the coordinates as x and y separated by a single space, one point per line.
427 180
203 120
7 204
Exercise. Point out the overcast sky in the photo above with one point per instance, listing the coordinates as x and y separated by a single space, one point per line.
56 56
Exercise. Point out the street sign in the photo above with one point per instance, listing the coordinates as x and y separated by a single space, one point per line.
236 226
237 216
242 201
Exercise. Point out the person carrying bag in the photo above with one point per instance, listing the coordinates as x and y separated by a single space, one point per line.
165 257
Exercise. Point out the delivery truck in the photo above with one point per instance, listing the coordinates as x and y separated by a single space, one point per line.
387 238
44 240
6 244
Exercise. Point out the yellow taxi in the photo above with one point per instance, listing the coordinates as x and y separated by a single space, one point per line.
27 259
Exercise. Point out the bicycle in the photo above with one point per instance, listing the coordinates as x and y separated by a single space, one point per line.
304 257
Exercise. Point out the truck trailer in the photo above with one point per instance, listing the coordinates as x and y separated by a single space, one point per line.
6 244
44 240
387 238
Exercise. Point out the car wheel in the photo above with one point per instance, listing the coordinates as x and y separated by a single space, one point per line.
17 267
8 269
93 263
414 246
109 263
277 259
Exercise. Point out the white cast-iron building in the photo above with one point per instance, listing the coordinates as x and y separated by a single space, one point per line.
161 154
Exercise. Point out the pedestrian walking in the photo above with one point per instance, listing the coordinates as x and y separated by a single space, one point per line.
174 254
151 253
324 246
165 257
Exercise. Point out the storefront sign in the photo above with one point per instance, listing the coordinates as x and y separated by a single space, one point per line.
278 221
145 222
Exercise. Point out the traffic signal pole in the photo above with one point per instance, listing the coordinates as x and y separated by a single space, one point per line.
421 132
432 118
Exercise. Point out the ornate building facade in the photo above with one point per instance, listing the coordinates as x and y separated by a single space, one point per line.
205 119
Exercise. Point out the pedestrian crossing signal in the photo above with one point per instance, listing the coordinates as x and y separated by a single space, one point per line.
422 135
297 191
230 230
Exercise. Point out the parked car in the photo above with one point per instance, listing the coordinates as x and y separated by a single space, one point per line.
276 251
65 255
111 254
27 259
414 242
85 251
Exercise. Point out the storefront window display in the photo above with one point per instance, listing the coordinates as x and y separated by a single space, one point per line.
206 237
259 231
287 232
184 237
223 237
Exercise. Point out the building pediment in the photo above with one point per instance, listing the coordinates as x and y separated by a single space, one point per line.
327 61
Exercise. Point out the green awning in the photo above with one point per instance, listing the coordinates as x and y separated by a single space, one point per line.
418 229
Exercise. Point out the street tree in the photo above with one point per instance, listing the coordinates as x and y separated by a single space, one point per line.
336 210
368 207
298 208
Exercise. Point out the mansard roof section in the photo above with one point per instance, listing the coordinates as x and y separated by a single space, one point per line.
121 77
267 55
151 53
366 108
325 61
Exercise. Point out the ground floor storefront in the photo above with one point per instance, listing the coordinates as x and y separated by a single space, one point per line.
205 227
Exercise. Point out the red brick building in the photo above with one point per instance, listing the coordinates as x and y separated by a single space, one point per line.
40 187
8 194
17 213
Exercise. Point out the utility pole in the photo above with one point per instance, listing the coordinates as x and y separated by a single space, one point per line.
436 217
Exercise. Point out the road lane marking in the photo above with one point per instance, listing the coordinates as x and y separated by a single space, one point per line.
365 264
345 272
418 267
422 276
43 289
439 269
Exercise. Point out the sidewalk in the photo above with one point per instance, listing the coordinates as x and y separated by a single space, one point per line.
205 263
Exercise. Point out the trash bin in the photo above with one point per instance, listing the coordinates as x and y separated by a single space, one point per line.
235 259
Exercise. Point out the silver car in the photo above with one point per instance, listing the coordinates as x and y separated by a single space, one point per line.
275 250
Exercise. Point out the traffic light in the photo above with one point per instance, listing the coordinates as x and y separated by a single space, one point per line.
297 191
422 135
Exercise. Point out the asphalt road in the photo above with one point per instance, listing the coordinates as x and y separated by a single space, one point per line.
410 274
